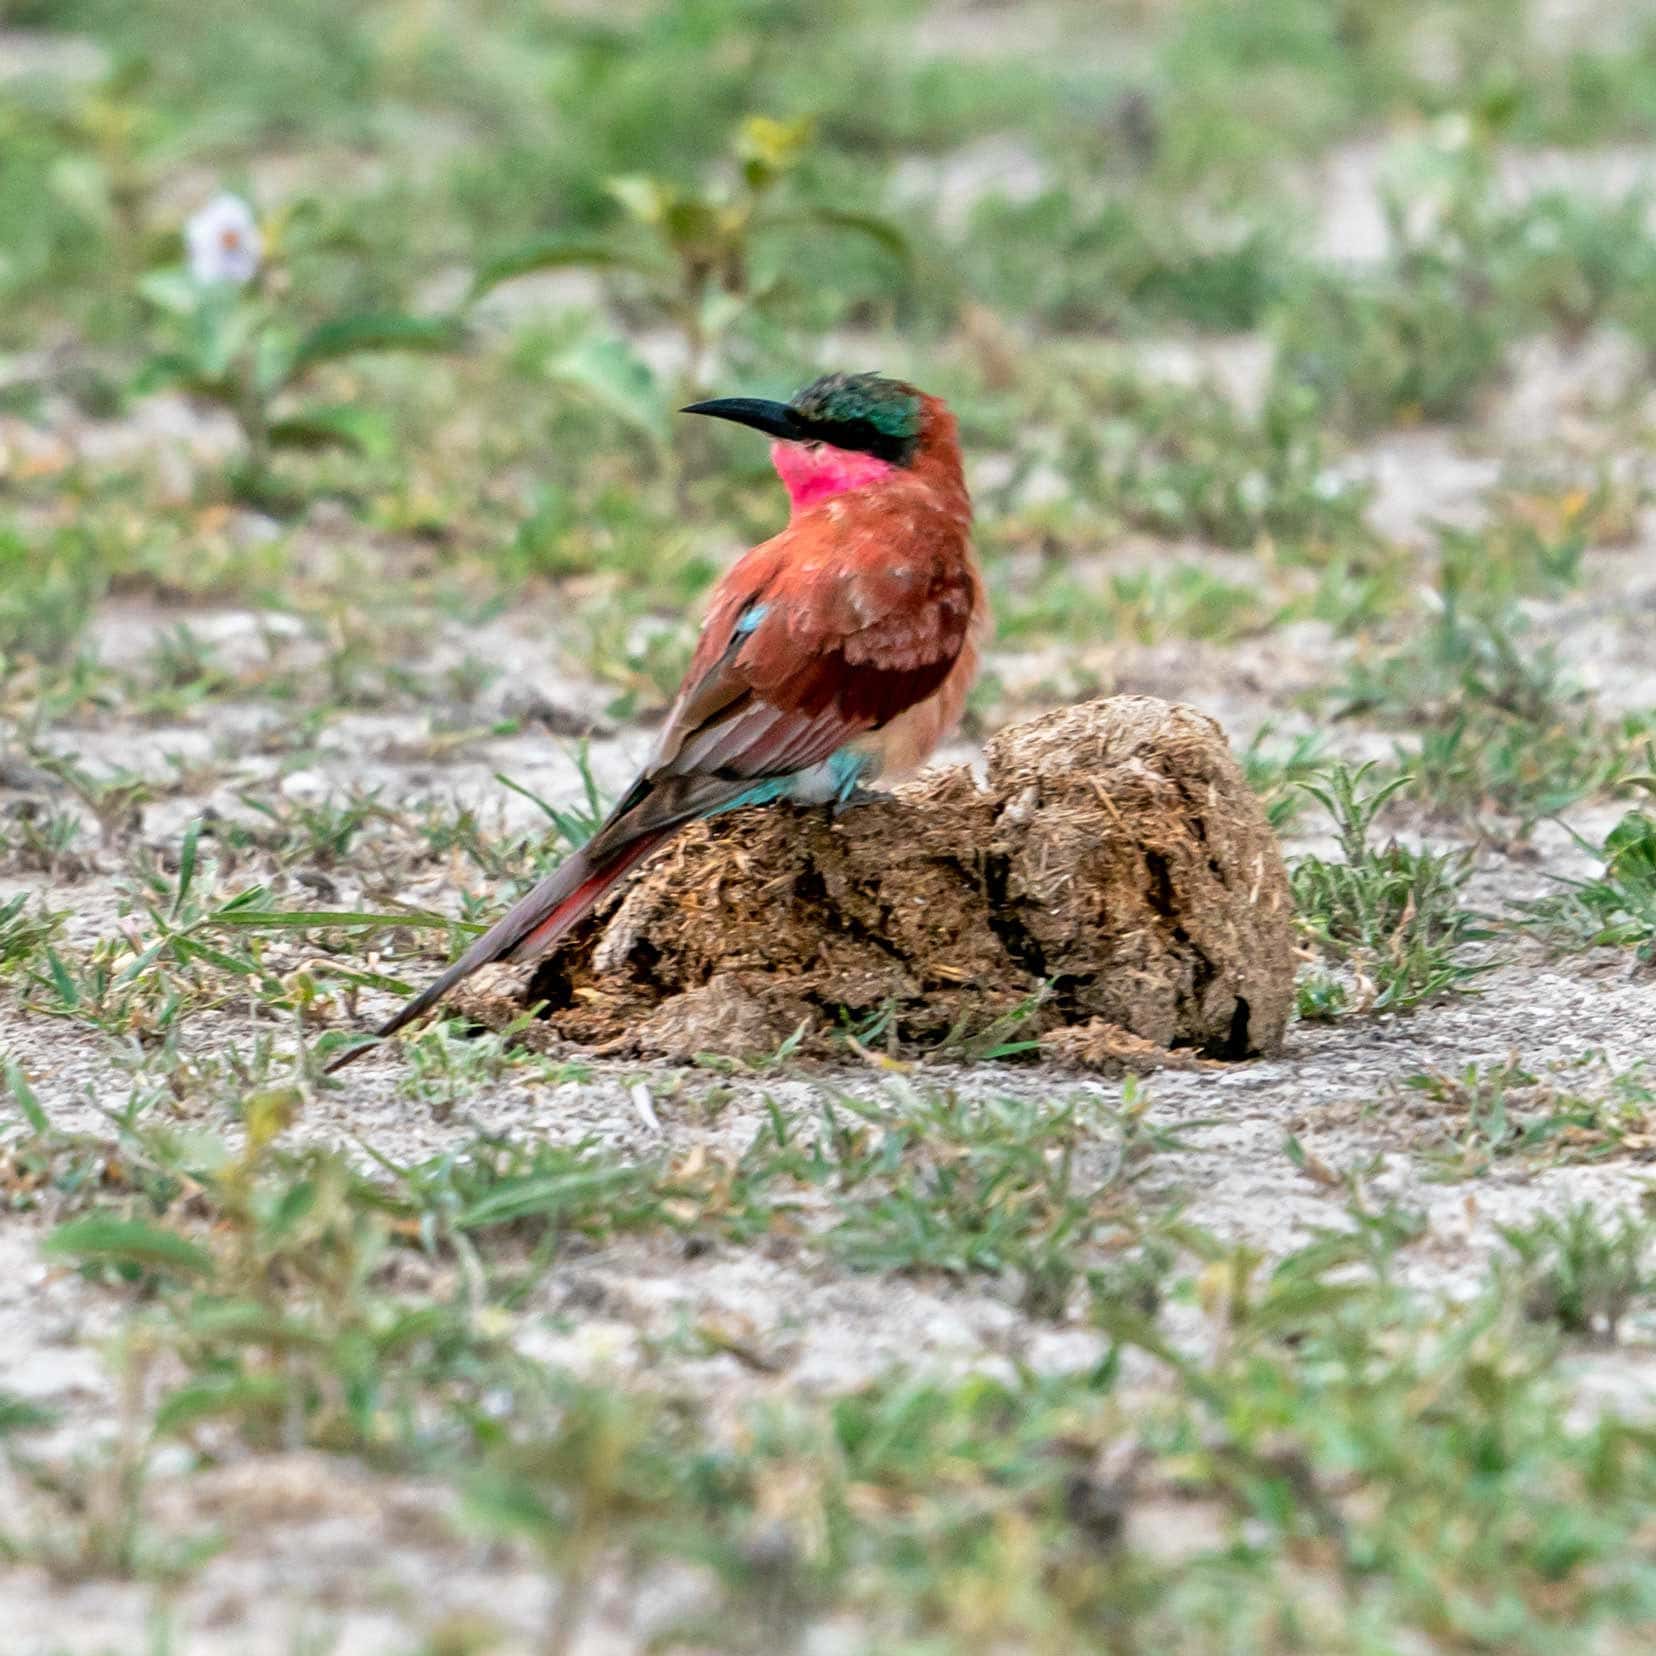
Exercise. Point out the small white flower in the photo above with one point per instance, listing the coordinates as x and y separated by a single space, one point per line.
224 241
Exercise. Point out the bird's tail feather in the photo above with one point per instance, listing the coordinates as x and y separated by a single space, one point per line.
530 926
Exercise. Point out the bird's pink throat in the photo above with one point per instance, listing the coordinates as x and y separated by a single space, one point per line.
813 475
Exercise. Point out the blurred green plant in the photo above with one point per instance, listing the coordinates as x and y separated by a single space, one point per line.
1466 270
1079 268
77 164
232 334
1418 336
48 584
1617 909
1178 461
693 250
1582 1273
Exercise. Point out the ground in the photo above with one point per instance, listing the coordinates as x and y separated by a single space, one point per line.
1303 372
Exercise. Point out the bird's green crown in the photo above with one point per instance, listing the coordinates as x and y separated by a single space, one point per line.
862 411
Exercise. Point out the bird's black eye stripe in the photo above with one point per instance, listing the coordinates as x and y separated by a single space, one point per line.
866 437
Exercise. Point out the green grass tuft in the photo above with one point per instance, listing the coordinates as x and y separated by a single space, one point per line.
1389 918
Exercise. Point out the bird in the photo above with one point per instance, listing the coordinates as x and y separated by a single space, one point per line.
839 650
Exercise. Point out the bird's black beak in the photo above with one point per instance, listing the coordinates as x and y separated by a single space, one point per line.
775 418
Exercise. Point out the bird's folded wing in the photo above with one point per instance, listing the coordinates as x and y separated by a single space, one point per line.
800 655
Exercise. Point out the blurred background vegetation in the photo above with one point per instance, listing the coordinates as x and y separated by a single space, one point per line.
504 239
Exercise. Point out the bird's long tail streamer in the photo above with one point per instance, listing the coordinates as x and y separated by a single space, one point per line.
531 926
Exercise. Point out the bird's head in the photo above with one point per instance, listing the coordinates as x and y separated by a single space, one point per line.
842 432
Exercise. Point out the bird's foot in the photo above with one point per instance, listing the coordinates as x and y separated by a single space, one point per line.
859 795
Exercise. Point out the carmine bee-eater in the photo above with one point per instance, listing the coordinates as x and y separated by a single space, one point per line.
839 649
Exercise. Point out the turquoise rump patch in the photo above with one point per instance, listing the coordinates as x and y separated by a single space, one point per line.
833 782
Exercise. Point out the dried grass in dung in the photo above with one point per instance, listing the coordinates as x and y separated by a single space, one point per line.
1114 891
